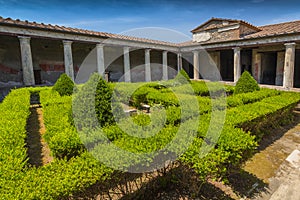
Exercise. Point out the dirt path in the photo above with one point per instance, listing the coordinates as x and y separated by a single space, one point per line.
37 149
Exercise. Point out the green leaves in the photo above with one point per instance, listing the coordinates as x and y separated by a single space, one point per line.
245 84
64 85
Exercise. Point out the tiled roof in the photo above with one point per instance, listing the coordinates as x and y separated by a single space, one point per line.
214 26
263 31
50 27
277 29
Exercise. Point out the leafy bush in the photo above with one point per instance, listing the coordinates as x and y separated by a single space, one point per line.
64 85
246 84
103 100
182 77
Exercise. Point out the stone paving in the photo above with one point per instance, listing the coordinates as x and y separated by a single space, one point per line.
280 167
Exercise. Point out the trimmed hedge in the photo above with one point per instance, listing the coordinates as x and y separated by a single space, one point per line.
246 83
64 85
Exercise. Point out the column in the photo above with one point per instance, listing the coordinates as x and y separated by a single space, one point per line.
147 65
69 70
256 65
165 65
100 59
237 63
179 61
279 68
127 64
196 64
289 64
26 56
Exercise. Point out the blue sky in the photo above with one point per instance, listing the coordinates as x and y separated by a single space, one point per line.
116 16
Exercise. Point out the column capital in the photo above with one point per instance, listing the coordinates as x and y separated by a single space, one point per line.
100 45
67 42
165 51
290 44
126 48
148 50
24 38
236 49
195 51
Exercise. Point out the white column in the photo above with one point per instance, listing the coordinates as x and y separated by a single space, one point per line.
279 68
147 65
165 65
196 64
179 61
127 64
68 58
100 59
26 56
289 64
237 63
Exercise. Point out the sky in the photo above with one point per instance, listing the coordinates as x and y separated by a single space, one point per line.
169 20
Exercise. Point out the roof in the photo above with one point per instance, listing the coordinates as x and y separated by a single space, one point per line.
56 28
214 26
262 31
277 29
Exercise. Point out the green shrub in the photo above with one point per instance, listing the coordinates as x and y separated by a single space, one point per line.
246 84
103 100
64 85
182 77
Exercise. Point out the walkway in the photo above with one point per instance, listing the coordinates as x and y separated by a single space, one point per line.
272 166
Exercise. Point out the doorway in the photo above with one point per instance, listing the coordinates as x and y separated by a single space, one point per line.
37 76
226 65
268 68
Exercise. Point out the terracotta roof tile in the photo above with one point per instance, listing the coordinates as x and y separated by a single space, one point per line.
263 31
35 25
277 29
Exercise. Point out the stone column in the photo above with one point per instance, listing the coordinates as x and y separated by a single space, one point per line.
256 65
68 58
165 65
289 64
26 56
196 64
147 65
237 63
179 61
127 64
100 59
279 68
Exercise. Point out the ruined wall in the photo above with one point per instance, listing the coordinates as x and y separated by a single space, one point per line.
224 35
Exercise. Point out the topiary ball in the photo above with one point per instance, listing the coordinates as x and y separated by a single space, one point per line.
245 84
64 85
